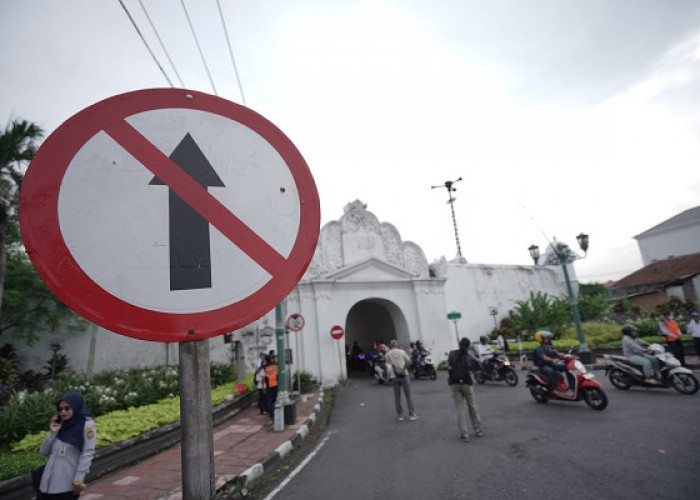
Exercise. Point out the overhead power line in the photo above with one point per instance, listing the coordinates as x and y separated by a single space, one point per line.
230 51
145 42
162 45
196 40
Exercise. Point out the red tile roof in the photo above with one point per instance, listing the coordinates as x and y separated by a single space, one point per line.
664 271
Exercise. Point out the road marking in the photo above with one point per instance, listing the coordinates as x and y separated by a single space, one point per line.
298 468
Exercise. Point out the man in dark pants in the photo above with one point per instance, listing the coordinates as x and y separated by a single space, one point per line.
460 381
672 333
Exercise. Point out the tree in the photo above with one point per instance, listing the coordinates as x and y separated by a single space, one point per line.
540 311
593 301
17 146
29 306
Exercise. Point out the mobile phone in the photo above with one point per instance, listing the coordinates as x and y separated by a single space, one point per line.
56 419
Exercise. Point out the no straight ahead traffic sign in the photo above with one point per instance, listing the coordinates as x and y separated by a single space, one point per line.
169 214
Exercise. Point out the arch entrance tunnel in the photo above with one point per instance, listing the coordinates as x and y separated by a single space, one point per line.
370 322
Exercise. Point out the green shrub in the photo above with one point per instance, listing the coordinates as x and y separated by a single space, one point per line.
104 392
596 333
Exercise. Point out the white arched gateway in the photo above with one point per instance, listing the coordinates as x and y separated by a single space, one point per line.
364 278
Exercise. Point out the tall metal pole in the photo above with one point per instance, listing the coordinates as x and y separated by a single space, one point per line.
583 347
450 189
282 395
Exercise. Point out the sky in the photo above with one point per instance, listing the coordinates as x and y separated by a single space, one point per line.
560 117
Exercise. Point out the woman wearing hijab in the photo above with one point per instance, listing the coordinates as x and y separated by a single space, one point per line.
70 447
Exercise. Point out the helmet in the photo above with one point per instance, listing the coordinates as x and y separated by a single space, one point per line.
628 330
484 338
543 334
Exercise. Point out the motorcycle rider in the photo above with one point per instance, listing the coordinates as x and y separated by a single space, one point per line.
418 354
544 356
485 353
636 353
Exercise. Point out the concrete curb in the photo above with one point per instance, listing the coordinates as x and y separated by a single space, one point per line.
258 469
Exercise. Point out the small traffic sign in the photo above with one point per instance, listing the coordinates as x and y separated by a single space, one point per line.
454 315
337 332
295 322
169 215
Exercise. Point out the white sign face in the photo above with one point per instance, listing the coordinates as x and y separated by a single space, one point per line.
130 252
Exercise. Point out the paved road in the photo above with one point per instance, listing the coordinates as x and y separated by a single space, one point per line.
646 444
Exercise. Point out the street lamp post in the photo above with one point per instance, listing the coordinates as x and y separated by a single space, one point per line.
564 256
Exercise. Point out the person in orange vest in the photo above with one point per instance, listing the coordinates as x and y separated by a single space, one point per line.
672 333
271 372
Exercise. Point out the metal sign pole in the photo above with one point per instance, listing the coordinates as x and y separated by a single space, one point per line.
296 348
197 451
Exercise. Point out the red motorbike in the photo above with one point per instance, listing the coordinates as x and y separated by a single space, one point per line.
574 384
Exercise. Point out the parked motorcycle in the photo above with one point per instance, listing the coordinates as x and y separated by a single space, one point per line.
623 374
575 384
501 370
425 369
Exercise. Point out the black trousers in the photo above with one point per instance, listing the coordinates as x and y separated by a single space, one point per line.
68 495
676 348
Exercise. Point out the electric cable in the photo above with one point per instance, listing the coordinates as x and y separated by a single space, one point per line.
230 51
145 42
162 45
196 40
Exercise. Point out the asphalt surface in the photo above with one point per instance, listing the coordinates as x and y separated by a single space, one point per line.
644 445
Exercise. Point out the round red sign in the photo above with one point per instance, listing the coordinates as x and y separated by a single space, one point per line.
337 332
169 215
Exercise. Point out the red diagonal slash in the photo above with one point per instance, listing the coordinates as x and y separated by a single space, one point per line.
195 195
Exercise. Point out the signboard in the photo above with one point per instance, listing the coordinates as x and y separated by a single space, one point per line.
169 215
454 315
295 322
337 332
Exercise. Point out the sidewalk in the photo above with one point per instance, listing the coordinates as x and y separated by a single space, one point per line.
244 446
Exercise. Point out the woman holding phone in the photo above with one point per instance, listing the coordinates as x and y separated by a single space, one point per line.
70 447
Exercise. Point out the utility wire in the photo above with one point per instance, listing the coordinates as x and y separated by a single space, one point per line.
145 42
196 40
230 51
162 45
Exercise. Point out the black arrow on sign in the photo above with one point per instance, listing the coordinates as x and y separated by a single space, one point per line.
190 254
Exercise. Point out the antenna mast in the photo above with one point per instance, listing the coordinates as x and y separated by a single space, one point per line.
450 189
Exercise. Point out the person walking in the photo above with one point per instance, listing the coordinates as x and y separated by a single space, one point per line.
260 383
399 363
693 329
672 333
70 447
271 387
460 382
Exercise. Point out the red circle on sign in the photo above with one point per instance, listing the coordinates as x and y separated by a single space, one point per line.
295 322
337 332
47 249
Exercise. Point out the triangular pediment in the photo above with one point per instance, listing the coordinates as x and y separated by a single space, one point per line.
370 269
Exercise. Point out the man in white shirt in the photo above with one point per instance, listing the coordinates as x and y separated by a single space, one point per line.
485 352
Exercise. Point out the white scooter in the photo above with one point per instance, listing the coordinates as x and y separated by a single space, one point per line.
623 374
382 370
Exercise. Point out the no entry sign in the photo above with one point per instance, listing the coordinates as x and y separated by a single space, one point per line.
295 322
169 214
337 332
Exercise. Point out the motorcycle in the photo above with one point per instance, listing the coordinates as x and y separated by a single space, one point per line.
425 369
623 374
381 369
575 384
501 370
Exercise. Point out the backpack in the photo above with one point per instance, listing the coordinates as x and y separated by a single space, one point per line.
459 374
